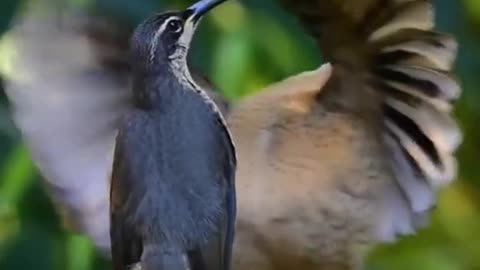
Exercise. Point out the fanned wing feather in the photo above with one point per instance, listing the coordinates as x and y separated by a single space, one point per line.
67 105
410 64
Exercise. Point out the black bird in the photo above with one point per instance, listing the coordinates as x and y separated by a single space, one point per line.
172 199
55 106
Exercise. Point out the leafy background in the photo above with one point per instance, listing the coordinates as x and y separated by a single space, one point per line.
257 45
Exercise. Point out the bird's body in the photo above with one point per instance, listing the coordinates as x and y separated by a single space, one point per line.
172 194
178 194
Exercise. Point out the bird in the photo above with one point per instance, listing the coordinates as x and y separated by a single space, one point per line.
55 90
172 193
336 160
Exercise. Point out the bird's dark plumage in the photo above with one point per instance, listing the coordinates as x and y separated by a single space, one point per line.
172 191
80 96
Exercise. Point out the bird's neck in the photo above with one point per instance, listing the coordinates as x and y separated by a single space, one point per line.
154 89
179 69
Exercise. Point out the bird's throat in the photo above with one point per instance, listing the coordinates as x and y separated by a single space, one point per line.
180 70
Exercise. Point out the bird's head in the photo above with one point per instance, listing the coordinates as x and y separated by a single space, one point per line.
165 38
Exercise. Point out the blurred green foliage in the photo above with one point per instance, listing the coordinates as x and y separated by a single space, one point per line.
257 45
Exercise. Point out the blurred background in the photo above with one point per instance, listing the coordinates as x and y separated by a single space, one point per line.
257 45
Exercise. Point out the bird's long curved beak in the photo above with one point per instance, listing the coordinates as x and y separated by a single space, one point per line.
201 7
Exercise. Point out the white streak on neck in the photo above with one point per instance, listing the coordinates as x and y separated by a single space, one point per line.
178 64
182 73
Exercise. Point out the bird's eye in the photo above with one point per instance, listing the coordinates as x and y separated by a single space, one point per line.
175 26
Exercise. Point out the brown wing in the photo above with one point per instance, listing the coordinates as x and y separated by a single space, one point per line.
391 47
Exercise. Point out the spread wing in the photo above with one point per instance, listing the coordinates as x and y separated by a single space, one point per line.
391 47
67 106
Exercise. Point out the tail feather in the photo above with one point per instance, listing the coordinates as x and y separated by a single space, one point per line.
410 64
